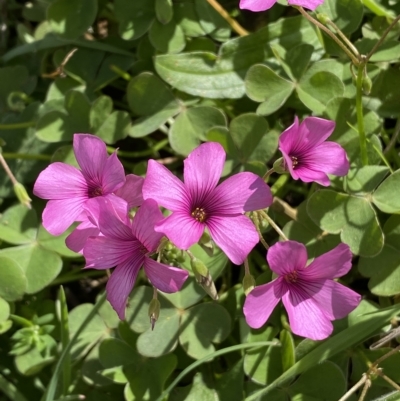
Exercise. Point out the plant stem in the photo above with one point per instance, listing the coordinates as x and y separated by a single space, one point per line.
267 174
329 33
344 38
360 116
26 156
273 225
7 170
354 388
17 125
381 39
225 15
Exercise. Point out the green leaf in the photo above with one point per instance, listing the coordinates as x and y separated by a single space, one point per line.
353 217
384 269
18 225
387 51
200 391
100 110
191 127
134 17
164 11
71 18
210 20
201 326
346 14
230 384
4 310
317 90
264 85
168 38
40 266
386 197
12 279
363 180
115 127
186 17
288 349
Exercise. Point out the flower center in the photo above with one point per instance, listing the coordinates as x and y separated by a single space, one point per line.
291 277
199 214
143 249
295 162
98 191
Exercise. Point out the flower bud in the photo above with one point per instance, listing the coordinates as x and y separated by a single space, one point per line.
22 195
280 166
206 244
366 84
248 283
203 277
154 311
323 18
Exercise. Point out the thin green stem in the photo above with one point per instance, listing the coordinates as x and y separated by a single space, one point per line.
10 391
224 351
360 115
273 225
143 153
267 174
329 33
26 156
69 278
8 170
51 390
344 38
17 125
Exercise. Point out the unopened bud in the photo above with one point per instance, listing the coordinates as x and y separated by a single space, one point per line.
366 84
323 18
206 244
280 166
203 277
154 311
248 283
22 195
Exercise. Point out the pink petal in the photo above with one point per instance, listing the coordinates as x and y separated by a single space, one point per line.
243 192
235 235
256 5
91 154
94 208
260 303
202 170
306 319
166 278
59 214
120 285
60 181
336 300
143 224
310 4
162 186
299 139
335 263
105 253
131 191
113 174
285 257
181 229
77 239
307 175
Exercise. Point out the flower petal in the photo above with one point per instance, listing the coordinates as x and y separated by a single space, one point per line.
166 278
256 5
77 239
59 214
310 4
260 303
335 263
120 285
305 174
143 224
113 174
181 229
131 191
243 192
202 170
105 253
235 235
297 140
162 186
60 181
91 154
306 319
336 300
284 257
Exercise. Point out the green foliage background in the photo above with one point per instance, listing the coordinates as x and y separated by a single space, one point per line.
155 78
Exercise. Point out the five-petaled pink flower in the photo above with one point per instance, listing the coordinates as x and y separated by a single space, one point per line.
306 154
262 5
310 295
69 188
198 202
127 245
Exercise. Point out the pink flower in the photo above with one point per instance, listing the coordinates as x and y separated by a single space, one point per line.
198 202
306 154
127 245
69 188
310 295
125 198
262 5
